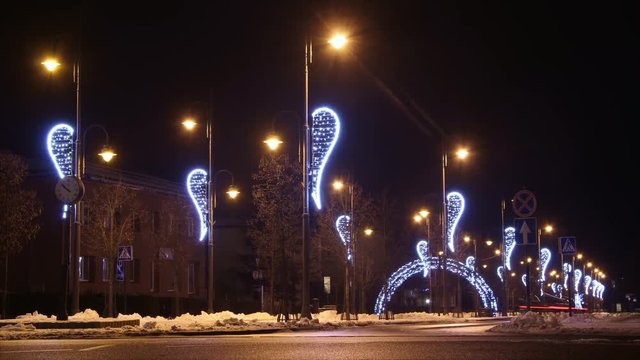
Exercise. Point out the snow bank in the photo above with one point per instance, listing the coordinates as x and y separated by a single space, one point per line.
597 323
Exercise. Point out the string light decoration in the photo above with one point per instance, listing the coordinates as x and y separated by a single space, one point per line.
554 288
197 188
455 208
524 279
471 262
60 147
545 259
343 225
325 130
500 272
566 269
577 297
587 284
434 263
509 245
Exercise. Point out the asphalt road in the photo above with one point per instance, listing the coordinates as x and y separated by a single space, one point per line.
371 342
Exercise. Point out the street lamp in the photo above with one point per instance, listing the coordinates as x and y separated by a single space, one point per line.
462 154
52 65
349 288
273 142
190 124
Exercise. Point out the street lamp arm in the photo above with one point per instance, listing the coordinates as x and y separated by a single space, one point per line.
84 141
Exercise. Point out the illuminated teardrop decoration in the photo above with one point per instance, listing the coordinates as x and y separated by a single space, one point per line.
455 208
60 146
197 188
325 130
343 225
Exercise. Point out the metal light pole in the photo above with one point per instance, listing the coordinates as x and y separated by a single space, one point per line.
505 306
305 312
232 192
77 212
210 195
444 227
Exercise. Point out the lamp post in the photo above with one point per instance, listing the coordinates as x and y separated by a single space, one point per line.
190 124
461 153
423 214
52 65
349 285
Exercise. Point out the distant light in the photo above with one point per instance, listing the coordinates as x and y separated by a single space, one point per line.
529 260
417 218
233 192
467 238
338 185
368 231
51 64
440 252
273 141
579 256
428 301
107 153
489 242
589 264
424 213
484 266
462 153
497 251
513 274
338 41
189 124
548 229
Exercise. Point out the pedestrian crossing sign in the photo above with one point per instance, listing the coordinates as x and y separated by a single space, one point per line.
567 245
125 253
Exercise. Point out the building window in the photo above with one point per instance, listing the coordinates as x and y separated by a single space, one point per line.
155 221
191 278
155 276
133 270
136 223
173 282
105 270
84 268
189 221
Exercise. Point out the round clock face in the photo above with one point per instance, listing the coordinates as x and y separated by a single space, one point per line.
69 190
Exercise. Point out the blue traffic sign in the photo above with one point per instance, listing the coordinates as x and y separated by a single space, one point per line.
567 245
526 230
125 252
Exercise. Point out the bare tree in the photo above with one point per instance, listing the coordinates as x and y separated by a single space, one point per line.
18 213
275 228
110 224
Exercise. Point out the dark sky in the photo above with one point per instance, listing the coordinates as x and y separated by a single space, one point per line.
540 92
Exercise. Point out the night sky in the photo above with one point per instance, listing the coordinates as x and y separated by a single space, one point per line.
540 93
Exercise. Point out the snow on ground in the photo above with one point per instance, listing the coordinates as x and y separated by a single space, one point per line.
561 323
22 327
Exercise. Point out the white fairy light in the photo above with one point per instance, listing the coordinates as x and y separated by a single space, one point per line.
325 130
197 188
455 208
343 226
510 244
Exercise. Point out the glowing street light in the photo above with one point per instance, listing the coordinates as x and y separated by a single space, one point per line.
51 64
368 231
338 41
189 124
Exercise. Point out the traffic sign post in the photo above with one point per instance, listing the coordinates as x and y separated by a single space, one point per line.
125 253
524 203
567 246
526 230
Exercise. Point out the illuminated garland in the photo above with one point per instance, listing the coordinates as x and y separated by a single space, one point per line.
325 130
524 279
545 259
577 298
343 225
60 147
566 269
197 188
455 208
471 262
434 263
587 284
510 244
499 270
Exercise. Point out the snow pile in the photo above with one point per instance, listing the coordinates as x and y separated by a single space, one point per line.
596 323
34 316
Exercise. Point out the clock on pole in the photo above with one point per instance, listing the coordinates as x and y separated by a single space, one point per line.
69 190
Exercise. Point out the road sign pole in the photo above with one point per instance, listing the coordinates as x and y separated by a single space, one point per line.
526 258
